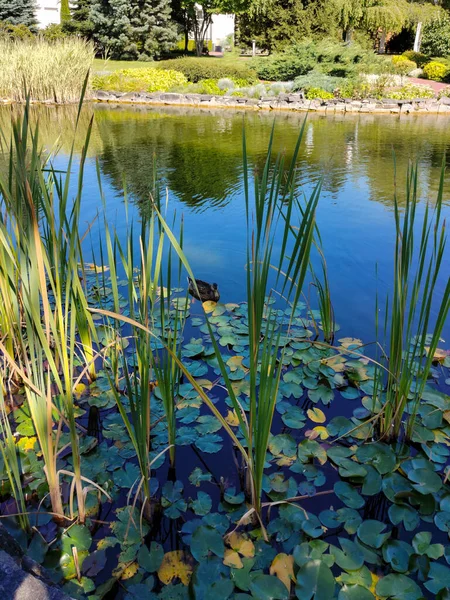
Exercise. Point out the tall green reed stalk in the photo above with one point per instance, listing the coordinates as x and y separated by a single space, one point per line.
272 201
43 254
411 315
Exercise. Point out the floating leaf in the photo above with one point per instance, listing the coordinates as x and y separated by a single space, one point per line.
176 564
425 481
370 532
355 592
315 581
283 567
316 415
350 558
202 505
398 587
439 578
197 476
232 559
349 496
209 306
267 587
241 544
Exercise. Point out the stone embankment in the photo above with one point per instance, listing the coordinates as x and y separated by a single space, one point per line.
285 102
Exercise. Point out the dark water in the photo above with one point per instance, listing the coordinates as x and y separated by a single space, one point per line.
199 158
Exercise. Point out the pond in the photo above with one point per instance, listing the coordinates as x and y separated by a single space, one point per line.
361 161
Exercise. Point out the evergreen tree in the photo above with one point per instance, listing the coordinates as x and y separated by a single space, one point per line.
80 20
18 12
65 11
133 28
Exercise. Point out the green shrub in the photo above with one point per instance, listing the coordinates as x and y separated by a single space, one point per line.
314 93
317 79
356 89
327 56
138 80
14 32
418 57
409 92
436 71
403 66
196 69
436 37
53 32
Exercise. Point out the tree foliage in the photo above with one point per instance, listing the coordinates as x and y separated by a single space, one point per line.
80 19
18 12
138 29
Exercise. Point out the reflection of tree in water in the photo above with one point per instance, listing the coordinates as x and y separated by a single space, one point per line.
199 152
195 155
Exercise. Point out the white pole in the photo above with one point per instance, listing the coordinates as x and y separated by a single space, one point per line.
418 36
254 48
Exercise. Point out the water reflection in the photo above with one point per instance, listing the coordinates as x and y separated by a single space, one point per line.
199 157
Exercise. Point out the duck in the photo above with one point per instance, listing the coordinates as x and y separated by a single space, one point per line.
205 291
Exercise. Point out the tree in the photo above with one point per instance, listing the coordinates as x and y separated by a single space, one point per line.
64 11
80 19
139 29
274 24
18 12
350 14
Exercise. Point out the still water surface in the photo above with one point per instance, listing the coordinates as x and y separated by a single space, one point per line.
198 154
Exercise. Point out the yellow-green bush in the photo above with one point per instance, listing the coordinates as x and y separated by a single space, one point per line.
402 65
139 80
313 93
418 57
191 45
409 92
436 70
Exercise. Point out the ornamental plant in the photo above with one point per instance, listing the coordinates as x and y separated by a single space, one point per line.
436 70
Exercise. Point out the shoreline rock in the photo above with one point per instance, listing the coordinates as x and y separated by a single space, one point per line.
284 102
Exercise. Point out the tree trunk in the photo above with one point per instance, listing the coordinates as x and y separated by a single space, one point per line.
186 39
348 35
418 38
382 46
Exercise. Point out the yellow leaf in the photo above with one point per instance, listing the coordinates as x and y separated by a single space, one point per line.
26 444
375 580
232 559
126 571
440 437
241 544
348 341
235 362
316 415
439 355
79 389
205 383
176 564
209 306
231 306
96 268
321 432
283 567
337 363
232 418
285 461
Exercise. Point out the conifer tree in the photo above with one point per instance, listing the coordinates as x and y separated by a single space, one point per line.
133 28
18 12
80 19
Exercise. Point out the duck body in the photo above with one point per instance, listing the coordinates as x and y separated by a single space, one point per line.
205 291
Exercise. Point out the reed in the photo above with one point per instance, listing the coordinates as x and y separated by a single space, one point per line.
411 314
43 300
52 71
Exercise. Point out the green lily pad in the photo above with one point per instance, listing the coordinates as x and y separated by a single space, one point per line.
150 559
205 541
315 581
370 532
355 592
77 536
425 481
202 505
439 578
350 558
398 587
397 554
268 587
349 496
210 443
